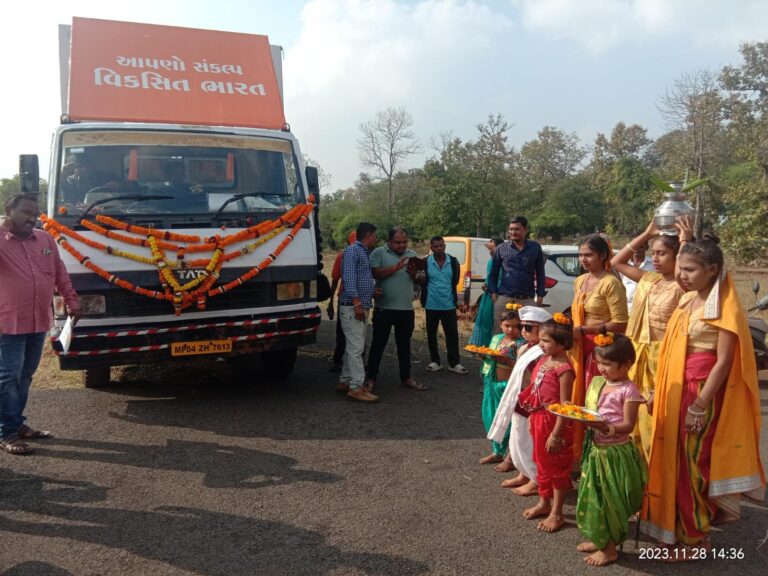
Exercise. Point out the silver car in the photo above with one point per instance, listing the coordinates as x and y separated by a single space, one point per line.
561 269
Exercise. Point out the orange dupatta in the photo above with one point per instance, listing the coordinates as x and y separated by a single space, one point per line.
735 460
576 355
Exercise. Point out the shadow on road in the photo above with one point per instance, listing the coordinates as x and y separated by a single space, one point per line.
221 466
199 541
201 395
315 412
35 569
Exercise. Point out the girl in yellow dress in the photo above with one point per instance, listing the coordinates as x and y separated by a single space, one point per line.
706 416
656 298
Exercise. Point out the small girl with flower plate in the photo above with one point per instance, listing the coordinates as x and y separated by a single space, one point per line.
613 472
552 383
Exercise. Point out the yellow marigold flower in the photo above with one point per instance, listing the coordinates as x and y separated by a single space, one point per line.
513 306
561 319
604 339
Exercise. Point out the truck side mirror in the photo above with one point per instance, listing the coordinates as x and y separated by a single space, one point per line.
29 174
313 181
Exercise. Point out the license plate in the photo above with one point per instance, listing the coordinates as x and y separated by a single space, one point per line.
201 347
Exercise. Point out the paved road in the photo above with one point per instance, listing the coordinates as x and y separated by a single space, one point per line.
178 472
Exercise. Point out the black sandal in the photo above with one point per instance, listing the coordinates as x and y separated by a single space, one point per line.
15 446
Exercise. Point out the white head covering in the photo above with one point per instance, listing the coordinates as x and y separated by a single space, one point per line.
534 314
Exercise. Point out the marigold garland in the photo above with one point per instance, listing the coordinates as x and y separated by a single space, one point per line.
195 291
513 306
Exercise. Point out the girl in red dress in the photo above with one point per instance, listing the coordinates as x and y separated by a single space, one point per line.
552 381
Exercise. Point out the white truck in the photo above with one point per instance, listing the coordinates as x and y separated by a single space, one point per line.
179 200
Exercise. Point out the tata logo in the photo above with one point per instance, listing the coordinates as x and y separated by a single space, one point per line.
191 274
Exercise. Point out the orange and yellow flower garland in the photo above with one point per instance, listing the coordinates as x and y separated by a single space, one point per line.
198 289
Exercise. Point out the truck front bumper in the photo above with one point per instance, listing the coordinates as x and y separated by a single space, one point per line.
118 346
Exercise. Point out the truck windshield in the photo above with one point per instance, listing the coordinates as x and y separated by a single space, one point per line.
194 173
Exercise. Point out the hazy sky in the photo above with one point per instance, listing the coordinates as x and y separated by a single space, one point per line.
579 65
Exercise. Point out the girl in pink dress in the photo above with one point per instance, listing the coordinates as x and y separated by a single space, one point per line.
612 471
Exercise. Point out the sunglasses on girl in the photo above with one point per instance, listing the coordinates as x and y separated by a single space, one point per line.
528 327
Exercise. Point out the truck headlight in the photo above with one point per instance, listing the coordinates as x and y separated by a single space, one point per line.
290 291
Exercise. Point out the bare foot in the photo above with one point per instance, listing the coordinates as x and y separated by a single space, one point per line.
603 557
505 466
518 480
551 523
542 508
587 547
491 459
529 489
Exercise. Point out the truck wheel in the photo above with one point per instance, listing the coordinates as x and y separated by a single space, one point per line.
278 364
97 377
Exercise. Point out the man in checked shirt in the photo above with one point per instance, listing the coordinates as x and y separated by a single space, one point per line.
31 270
354 305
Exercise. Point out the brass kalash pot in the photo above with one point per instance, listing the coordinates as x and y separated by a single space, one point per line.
674 205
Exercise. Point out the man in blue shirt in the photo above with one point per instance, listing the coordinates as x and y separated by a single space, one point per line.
354 304
440 300
517 271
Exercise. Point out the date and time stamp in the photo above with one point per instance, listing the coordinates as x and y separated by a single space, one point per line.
691 553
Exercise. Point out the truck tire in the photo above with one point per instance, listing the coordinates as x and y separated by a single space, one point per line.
97 377
278 364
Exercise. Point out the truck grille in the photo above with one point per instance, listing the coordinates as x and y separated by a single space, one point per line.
123 302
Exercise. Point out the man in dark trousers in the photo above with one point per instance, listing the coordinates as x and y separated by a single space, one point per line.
440 300
394 306
517 271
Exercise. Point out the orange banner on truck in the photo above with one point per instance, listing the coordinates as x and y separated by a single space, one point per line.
128 72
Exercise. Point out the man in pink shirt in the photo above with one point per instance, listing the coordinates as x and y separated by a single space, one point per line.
31 269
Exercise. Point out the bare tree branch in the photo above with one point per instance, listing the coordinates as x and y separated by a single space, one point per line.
385 142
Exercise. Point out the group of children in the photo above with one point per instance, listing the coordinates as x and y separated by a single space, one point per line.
531 372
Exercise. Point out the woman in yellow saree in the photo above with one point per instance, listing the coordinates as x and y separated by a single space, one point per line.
656 298
706 414
599 306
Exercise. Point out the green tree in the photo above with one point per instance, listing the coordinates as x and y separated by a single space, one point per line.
747 102
624 142
629 197
471 179
745 194
10 186
571 208
552 157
